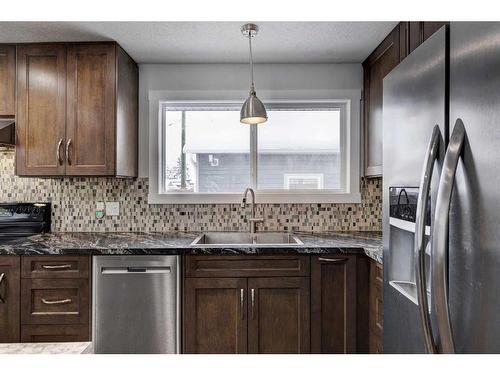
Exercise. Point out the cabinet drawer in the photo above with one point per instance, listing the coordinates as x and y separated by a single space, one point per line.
246 265
55 267
54 333
46 301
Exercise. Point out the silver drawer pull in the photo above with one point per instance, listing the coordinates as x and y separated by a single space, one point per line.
60 267
58 152
333 260
56 302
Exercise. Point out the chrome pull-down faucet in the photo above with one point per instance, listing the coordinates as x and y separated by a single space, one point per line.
253 220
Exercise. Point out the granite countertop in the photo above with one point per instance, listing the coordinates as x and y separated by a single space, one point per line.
82 243
47 348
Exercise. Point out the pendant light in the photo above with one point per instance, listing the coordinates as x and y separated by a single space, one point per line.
253 110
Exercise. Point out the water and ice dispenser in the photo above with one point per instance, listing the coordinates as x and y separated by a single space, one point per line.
402 215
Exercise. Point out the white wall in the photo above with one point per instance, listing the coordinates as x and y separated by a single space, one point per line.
273 81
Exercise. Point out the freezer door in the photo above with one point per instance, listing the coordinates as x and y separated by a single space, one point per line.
136 304
474 230
414 102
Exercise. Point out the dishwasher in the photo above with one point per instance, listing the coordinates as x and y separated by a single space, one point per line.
136 304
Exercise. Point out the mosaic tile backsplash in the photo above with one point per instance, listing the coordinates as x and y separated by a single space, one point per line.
74 204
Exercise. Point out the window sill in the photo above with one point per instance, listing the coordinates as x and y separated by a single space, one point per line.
227 198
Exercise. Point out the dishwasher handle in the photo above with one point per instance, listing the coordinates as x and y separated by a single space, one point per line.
135 269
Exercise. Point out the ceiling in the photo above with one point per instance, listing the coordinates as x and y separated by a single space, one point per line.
215 42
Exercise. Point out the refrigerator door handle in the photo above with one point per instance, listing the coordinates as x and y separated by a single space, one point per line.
419 249
439 246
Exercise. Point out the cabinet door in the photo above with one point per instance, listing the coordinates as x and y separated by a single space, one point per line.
376 67
9 298
90 132
41 110
7 80
413 34
215 317
333 304
429 28
376 308
279 320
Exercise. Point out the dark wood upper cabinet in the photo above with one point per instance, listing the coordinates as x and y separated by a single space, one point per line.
41 110
333 304
402 40
278 315
90 124
429 28
215 315
414 33
77 110
375 68
8 80
10 284
414 37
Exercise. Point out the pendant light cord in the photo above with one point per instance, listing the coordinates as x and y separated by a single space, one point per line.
252 88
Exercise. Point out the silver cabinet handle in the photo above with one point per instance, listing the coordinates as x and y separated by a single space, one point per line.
252 293
67 151
58 151
2 277
431 156
439 242
332 260
242 303
56 302
58 267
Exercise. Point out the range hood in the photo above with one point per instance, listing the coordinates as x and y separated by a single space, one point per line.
7 133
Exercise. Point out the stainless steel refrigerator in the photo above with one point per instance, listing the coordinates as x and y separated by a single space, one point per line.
441 194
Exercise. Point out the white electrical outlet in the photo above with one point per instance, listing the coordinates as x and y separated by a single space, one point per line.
112 208
99 210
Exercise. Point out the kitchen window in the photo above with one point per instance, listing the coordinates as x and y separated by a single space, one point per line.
301 154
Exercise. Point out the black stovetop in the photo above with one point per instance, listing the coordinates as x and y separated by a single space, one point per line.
23 219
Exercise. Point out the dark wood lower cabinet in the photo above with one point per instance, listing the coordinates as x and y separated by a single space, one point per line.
376 307
262 311
279 315
44 298
10 284
333 304
215 316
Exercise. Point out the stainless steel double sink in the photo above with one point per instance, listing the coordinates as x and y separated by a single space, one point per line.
224 239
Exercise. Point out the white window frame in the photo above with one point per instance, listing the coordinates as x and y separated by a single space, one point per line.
288 176
350 150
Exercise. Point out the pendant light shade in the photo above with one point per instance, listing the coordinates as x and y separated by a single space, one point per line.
253 110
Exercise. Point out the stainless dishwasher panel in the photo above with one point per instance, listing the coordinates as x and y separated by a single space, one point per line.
136 304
